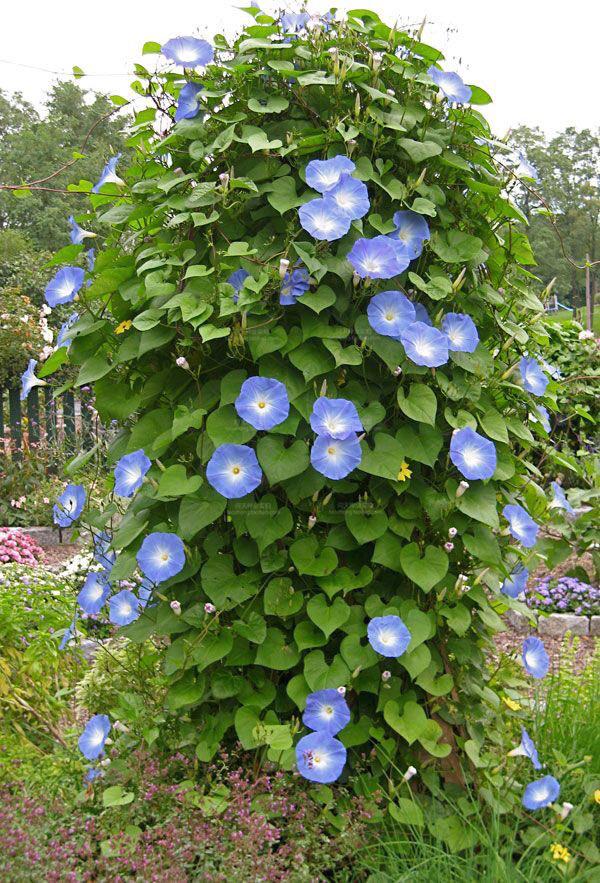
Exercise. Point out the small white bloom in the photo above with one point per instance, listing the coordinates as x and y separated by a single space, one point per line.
462 488
182 362
283 267
410 772
175 607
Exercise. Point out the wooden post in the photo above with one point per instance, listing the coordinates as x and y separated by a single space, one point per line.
33 414
69 420
589 306
16 435
49 417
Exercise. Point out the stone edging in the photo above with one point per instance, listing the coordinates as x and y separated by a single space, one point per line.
556 624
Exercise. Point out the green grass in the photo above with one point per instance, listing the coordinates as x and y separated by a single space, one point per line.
567 315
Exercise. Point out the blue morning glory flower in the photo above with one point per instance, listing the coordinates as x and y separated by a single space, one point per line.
69 505
526 749
551 369
78 234
473 455
293 286
123 608
543 417
374 258
461 332
320 757
388 635
323 219
425 345
451 85
323 174
535 658
92 774
390 312
294 22
525 169
351 197
188 51
109 174
521 525
403 257
412 230
335 458
29 380
145 590
534 379
421 314
64 286
91 742
236 280
70 633
63 338
90 259
94 593
337 418
188 102
326 712
560 499
103 554
263 402
233 471
161 556
516 583
541 793
129 473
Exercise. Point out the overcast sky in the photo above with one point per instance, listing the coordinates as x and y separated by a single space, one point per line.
538 59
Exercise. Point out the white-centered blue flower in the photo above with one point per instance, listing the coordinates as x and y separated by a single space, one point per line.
535 658
263 402
390 312
526 748
412 230
123 608
69 505
461 332
541 793
425 345
234 471
320 757
323 174
64 337
64 286
294 285
534 379
323 219
188 102
130 472
525 169
78 234
375 258
337 418
388 635
521 525
473 455
335 458
451 85
91 742
29 380
161 556
560 499
188 51
326 712
109 174
94 593
351 197
543 417
515 584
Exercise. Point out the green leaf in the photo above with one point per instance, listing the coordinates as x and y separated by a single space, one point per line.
272 104
174 482
419 150
253 627
277 651
366 523
455 247
224 425
427 570
117 796
278 462
479 502
308 558
198 511
328 617
385 460
280 598
265 527
407 812
96 367
283 196
494 426
420 404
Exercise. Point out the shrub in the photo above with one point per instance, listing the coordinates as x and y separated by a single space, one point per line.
19 548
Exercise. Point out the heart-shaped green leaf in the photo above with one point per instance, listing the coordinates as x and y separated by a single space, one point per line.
425 571
278 462
366 524
327 617
310 559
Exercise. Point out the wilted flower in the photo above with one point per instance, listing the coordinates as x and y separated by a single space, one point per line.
452 531
294 285
448 546
386 675
209 608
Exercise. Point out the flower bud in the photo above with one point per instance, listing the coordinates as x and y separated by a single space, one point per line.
175 607
312 520
410 772
376 60
386 675
448 546
397 371
341 691
283 267
566 809
209 608
462 488
452 532
182 362
224 179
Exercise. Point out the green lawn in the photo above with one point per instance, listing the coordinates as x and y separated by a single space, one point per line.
567 315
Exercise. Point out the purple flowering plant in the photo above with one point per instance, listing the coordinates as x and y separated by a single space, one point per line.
565 594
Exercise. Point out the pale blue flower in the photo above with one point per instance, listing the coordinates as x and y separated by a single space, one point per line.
63 337
521 525
425 345
412 230
70 633
351 197
534 379
323 219
91 742
188 51
388 635
69 505
337 418
421 314
560 499
525 169
29 380
294 22
516 583
335 458
451 85
535 658
234 471
293 286
236 280
541 793
188 103
320 757
64 286
103 554
109 174
390 312
78 234
263 402
123 608
375 258
161 556
129 473
526 749
94 593
323 174
461 333
543 417
326 712
473 455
